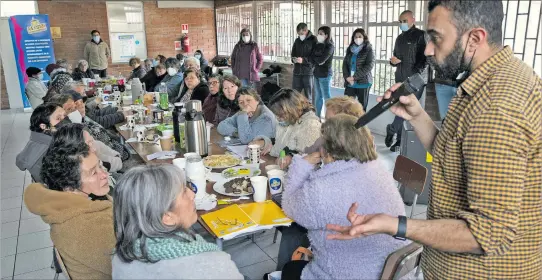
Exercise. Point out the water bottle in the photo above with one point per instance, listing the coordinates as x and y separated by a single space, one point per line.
164 102
137 88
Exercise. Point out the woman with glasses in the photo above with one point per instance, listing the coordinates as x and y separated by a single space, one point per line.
215 89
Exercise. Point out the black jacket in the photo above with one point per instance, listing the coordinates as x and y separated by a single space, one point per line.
139 73
78 75
322 57
409 48
364 65
151 80
303 49
107 117
200 92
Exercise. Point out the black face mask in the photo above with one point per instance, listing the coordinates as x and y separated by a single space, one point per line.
454 67
63 122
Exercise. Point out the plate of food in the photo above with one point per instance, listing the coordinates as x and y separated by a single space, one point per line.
233 172
221 161
240 186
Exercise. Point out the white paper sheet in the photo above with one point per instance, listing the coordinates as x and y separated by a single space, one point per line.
241 150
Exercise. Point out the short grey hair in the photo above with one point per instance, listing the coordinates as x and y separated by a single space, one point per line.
147 60
73 85
142 197
62 63
172 63
81 63
192 59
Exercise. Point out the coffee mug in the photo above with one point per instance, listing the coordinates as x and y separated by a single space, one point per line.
130 120
253 153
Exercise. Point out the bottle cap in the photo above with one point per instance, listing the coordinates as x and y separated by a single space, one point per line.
282 153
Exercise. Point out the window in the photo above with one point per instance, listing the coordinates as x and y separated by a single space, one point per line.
12 8
229 23
126 31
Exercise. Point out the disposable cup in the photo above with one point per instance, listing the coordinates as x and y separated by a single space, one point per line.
259 183
166 142
276 181
198 184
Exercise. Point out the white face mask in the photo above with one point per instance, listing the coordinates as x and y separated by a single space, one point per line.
96 39
302 37
358 41
197 56
172 71
40 76
321 38
75 117
246 39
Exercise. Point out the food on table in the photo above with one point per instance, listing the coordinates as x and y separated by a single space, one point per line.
238 186
221 161
236 172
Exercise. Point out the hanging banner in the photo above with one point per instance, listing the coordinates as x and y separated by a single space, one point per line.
32 45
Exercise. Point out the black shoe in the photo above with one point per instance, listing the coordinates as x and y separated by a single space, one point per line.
389 136
396 147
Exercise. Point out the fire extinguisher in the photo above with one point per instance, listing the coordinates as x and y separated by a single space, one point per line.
185 43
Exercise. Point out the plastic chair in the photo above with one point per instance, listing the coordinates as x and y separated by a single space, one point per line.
402 262
411 175
59 265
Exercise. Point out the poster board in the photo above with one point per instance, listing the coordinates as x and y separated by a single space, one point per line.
127 45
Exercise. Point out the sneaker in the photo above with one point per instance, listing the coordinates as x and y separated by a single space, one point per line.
396 147
389 136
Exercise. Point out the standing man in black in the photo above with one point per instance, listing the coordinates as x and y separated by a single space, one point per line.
409 58
303 68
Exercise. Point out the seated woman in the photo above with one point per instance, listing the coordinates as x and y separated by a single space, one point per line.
45 119
138 71
298 128
203 63
253 120
211 102
350 172
59 81
82 71
154 76
227 105
74 202
154 211
35 90
194 87
173 79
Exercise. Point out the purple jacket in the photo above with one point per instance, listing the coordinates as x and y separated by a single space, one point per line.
246 61
314 198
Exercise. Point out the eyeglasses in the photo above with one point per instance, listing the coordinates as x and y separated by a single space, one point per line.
214 83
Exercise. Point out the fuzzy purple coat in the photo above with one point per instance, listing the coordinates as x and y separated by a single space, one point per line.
315 198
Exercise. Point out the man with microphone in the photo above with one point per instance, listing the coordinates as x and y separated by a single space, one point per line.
484 218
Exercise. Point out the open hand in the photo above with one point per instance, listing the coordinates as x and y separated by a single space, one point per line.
363 225
408 107
299 60
394 60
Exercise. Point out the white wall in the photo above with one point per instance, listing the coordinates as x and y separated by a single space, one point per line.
9 65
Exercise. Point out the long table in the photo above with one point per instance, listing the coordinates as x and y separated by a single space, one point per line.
144 149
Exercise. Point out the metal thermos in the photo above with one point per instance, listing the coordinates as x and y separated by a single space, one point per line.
195 129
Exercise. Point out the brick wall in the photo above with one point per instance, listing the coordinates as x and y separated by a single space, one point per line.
163 26
4 101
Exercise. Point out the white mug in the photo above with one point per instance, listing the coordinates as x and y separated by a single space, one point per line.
130 120
259 184
276 181
199 186
253 153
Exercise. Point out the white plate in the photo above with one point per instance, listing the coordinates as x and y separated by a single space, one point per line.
219 188
251 172
222 167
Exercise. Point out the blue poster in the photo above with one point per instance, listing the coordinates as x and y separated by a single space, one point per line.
32 45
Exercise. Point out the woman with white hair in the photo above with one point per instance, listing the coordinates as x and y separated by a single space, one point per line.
153 212
82 71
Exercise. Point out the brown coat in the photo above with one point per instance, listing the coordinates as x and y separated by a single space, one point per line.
81 229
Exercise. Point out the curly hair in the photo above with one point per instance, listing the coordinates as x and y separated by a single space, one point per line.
42 115
61 169
343 141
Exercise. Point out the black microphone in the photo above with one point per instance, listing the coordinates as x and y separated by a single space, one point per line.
412 85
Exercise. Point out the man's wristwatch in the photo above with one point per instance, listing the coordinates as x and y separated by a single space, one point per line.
401 228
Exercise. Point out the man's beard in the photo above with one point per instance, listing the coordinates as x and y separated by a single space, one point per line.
453 64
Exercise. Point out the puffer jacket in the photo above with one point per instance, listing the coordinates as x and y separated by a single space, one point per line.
107 117
79 75
322 57
409 48
97 55
365 62
108 138
303 49
139 73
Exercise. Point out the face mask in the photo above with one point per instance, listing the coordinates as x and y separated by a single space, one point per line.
321 38
154 63
454 67
172 71
96 39
283 123
403 26
197 56
246 39
75 117
40 76
358 41
302 37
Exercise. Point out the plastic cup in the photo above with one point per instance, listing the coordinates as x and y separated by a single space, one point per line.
276 181
166 142
259 183
271 167
167 133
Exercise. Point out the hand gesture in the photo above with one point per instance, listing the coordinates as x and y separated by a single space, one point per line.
408 107
350 80
299 60
313 158
285 162
363 225
394 60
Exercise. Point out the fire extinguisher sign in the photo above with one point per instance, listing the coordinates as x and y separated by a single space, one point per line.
184 28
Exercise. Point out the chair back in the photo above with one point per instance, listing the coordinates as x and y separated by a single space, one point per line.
59 264
410 174
402 262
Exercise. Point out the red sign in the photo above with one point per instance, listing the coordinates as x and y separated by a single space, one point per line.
178 46
184 28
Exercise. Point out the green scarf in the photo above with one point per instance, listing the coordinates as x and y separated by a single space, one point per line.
171 248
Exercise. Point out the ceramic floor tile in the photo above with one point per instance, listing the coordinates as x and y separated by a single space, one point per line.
265 243
46 273
34 260
34 241
32 225
10 203
11 192
246 253
11 215
10 229
6 266
8 246
257 271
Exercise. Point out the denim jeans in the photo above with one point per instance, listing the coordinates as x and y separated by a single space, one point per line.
303 83
322 92
445 93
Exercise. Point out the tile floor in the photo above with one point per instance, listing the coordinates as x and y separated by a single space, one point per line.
26 248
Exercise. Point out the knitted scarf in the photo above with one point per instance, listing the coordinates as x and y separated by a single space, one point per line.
355 48
171 248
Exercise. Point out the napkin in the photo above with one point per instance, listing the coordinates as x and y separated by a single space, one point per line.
161 154
124 127
206 203
131 140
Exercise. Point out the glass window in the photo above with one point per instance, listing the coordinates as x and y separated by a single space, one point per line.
126 31
13 8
